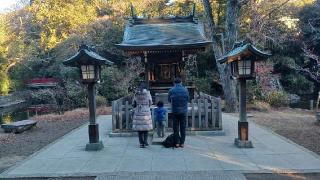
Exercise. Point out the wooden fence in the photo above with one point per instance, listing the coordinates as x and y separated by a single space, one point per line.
204 113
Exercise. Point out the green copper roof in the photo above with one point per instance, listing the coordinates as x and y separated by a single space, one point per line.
86 56
161 34
238 51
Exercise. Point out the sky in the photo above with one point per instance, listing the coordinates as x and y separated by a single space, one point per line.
6 5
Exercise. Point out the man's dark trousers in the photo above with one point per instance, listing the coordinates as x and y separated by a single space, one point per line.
179 122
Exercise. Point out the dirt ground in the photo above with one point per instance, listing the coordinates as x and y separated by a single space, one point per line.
15 147
262 176
300 126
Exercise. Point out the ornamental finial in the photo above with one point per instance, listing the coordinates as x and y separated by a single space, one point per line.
83 46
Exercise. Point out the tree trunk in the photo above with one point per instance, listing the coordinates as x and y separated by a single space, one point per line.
233 10
231 103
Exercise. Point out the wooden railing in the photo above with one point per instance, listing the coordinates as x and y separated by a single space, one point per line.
122 113
208 116
204 113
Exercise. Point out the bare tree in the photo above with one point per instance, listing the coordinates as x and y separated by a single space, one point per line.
313 71
233 9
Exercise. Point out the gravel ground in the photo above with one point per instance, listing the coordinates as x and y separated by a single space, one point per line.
15 147
300 126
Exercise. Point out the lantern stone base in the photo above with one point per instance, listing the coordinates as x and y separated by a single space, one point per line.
243 135
242 144
94 146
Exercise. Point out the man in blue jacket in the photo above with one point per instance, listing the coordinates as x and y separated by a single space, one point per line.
178 97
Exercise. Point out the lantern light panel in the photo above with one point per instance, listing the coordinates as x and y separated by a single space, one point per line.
244 67
88 72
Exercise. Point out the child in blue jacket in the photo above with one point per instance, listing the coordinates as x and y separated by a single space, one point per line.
160 117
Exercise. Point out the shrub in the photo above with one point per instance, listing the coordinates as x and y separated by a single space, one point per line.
114 83
4 83
296 83
101 101
43 96
254 92
259 106
277 99
76 95
203 84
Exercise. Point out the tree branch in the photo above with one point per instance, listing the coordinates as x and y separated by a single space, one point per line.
243 2
273 10
314 76
10 65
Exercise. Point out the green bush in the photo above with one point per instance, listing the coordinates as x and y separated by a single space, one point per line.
296 83
76 95
43 96
4 83
114 83
203 84
277 99
254 92
101 101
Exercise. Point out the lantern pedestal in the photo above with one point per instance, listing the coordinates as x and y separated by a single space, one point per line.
243 126
243 136
94 143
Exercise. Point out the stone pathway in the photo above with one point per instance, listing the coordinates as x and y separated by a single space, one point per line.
204 157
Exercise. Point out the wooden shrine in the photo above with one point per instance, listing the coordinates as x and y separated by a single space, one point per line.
163 44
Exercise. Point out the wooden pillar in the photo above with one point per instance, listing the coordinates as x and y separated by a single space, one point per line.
243 126
242 100
93 127
146 67
182 72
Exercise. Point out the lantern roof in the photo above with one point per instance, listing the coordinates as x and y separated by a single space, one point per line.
244 51
86 55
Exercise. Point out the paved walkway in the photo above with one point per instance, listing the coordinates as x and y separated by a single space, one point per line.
213 157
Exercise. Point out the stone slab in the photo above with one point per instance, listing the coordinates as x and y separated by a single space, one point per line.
203 157
18 126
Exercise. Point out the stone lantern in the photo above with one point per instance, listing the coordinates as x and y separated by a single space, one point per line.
242 61
89 64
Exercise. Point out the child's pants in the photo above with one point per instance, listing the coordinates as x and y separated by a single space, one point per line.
160 128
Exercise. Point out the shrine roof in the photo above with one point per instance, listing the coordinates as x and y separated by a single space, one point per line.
163 33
